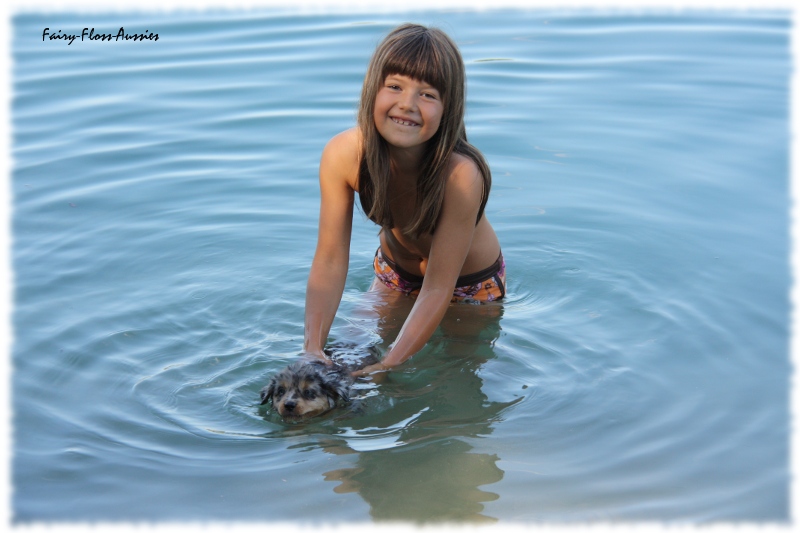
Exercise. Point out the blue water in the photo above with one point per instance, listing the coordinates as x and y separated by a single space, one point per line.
165 203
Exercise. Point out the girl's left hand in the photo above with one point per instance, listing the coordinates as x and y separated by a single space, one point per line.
371 369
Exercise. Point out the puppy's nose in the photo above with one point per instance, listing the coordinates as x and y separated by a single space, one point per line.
290 405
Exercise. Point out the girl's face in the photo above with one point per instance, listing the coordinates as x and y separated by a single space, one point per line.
407 111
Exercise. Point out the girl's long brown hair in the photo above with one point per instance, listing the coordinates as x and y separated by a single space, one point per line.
429 55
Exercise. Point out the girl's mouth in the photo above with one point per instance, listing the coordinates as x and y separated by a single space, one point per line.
404 122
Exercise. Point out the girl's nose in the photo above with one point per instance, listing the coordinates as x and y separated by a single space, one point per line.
408 101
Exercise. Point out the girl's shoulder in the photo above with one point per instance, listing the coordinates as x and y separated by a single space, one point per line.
464 185
463 172
347 139
341 156
346 144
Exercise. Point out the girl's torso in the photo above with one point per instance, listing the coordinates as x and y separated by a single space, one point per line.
411 254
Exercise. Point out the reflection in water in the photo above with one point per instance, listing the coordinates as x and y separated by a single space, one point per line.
415 461
436 481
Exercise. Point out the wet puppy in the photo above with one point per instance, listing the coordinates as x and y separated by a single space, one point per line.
307 388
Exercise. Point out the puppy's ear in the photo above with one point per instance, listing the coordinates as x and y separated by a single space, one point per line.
268 391
337 385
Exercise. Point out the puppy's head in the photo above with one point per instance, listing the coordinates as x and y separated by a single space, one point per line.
306 389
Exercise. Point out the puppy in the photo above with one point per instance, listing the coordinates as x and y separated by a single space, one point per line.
307 388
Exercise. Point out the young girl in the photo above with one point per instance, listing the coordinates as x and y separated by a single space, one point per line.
420 180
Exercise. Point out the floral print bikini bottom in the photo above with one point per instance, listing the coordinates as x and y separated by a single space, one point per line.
484 286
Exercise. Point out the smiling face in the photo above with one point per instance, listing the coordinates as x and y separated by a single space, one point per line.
407 112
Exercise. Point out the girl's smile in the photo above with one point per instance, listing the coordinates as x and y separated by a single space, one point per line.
407 111
404 122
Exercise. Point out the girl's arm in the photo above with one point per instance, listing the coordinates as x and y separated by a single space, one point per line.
331 259
449 247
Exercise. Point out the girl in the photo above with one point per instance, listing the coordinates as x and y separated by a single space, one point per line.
420 180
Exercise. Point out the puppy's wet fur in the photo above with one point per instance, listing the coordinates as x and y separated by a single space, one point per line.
310 388
307 388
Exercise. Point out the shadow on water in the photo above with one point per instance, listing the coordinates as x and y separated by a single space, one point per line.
413 434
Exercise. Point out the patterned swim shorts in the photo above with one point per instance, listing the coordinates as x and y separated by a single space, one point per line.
484 286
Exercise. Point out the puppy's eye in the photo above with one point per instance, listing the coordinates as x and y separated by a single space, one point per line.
280 392
309 394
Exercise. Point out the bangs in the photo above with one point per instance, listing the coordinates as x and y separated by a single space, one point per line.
419 59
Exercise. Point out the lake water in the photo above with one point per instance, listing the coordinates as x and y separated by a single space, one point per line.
165 201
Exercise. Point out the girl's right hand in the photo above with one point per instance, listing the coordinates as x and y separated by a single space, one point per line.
317 356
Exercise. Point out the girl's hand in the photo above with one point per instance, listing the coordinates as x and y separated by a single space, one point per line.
317 356
371 369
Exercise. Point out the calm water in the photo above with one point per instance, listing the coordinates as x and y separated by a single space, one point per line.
164 219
